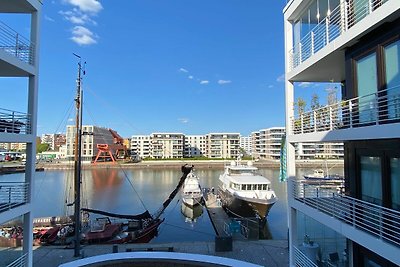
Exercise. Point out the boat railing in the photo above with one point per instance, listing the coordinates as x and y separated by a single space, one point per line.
13 194
382 222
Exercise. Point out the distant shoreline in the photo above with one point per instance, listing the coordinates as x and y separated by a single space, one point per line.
200 164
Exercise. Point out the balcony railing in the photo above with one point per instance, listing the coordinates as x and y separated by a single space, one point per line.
16 45
301 259
376 220
14 122
382 107
337 22
13 194
20 262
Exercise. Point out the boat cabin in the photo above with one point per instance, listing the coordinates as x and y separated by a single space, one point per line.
250 187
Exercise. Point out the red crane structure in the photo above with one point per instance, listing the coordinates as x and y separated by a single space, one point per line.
114 151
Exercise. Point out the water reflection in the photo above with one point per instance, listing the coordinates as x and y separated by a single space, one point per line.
191 213
131 191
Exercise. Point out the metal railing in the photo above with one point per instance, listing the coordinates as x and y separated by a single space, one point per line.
382 107
301 259
16 45
20 262
337 21
13 194
374 219
15 122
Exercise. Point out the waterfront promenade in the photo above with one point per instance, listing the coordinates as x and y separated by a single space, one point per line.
271 253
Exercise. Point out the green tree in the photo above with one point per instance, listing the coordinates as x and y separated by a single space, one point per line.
300 105
315 102
42 147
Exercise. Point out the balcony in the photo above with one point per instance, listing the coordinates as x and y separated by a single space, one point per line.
360 221
14 122
349 119
321 50
16 45
13 194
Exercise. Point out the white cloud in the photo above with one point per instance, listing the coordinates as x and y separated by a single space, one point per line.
183 120
224 81
305 84
190 77
75 16
183 70
90 6
83 36
281 78
48 18
270 86
204 82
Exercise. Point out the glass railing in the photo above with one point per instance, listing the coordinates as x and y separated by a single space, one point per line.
14 122
382 107
16 45
13 194
383 223
337 22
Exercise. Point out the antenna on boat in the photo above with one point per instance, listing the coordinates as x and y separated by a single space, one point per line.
78 159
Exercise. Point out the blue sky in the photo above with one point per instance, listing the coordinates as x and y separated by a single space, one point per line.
163 65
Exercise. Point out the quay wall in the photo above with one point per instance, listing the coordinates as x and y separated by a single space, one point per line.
199 164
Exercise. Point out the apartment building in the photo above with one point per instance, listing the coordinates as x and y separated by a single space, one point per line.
246 144
166 145
19 59
54 141
222 145
356 44
91 137
195 146
306 151
140 146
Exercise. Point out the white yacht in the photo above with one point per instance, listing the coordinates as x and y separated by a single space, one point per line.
245 192
192 194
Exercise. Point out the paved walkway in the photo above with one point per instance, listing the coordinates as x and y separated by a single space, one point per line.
273 253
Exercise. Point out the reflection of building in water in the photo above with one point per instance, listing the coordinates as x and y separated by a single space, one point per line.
105 178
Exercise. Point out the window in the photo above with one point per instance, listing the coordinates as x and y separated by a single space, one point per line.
392 78
243 187
371 179
395 183
367 83
248 187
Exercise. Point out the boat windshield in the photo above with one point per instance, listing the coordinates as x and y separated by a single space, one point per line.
242 172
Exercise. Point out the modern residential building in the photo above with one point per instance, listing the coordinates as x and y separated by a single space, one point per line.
140 146
166 145
20 147
91 137
54 140
222 145
246 144
19 59
356 44
306 151
195 146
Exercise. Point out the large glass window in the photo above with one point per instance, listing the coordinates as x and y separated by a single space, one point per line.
371 179
367 83
395 182
392 76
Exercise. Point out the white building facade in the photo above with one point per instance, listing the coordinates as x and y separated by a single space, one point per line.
246 144
223 145
356 44
19 58
166 145
195 146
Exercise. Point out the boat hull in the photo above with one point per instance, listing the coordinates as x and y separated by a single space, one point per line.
245 207
192 201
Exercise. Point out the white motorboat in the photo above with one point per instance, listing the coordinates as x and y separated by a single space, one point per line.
192 194
245 192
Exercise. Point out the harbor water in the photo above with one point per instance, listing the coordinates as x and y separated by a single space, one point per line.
131 191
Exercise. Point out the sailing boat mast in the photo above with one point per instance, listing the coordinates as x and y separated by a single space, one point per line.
78 155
